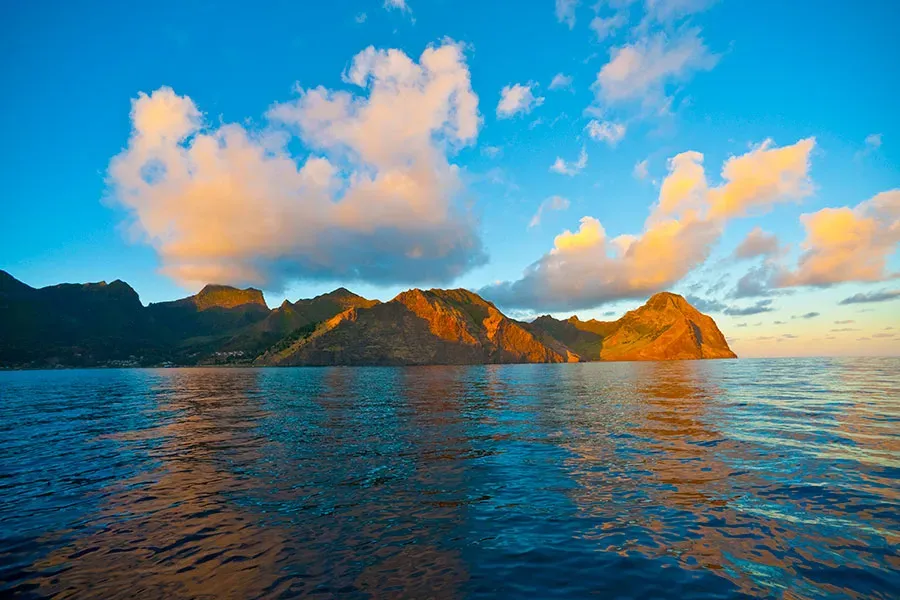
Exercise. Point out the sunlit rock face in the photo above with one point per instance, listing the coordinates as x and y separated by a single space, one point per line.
100 324
421 327
667 327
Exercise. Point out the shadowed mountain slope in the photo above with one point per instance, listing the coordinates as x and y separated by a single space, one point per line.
97 324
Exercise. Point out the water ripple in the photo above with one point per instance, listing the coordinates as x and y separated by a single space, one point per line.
719 479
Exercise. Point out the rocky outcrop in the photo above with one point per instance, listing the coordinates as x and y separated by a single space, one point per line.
417 328
98 323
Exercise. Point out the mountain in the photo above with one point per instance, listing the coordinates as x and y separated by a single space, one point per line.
667 327
419 328
97 324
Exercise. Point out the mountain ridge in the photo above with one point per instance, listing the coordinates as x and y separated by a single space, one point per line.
100 324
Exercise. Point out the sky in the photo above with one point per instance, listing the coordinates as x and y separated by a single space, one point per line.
557 157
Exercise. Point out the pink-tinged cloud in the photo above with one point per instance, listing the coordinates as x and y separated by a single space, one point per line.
587 267
377 199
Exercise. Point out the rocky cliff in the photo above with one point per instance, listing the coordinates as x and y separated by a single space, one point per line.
99 323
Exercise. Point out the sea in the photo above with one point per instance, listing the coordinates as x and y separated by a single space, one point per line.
698 479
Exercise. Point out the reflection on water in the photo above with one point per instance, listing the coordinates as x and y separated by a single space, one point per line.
689 479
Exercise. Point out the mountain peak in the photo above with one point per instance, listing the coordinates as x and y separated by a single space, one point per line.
225 296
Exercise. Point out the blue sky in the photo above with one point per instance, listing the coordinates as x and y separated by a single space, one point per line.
717 78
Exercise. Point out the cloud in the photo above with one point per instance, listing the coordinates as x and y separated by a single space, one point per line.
705 305
400 5
643 68
757 243
606 131
863 297
565 11
844 322
517 99
587 267
604 27
873 141
870 145
847 244
640 170
762 306
671 10
561 82
492 151
570 168
376 199
551 203
361 17
809 315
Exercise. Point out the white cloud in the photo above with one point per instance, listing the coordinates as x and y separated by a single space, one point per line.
606 131
587 267
400 5
377 199
873 141
640 170
643 69
517 99
604 27
361 17
561 81
570 168
551 203
565 11
492 151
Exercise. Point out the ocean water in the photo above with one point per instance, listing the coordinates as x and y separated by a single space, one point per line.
707 479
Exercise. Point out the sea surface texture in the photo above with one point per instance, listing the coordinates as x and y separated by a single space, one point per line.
707 479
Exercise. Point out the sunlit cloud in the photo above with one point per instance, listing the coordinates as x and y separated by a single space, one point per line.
570 168
640 170
376 199
605 131
847 244
757 243
586 267
561 81
517 99
565 12
641 70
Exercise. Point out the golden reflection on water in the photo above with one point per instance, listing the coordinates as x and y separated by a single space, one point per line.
614 479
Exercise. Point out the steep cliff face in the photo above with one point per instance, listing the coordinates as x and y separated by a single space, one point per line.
420 327
667 327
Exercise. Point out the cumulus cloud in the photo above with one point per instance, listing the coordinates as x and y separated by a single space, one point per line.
570 168
587 267
551 203
643 68
867 297
376 199
757 243
561 81
565 11
605 131
517 99
847 244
